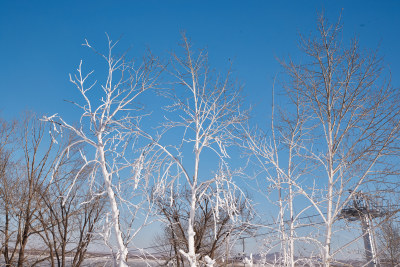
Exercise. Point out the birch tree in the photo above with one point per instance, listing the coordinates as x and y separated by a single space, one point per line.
280 167
353 112
108 127
335 133
207 108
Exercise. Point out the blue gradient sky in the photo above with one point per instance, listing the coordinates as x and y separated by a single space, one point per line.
40 41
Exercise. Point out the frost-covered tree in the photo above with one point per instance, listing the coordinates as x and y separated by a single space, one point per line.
349 125
335 133
354 113
279 168
205 110
108 128
212 234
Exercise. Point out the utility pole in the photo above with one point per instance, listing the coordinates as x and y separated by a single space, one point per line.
361 209
243 255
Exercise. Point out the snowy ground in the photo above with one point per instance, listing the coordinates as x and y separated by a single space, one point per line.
104 262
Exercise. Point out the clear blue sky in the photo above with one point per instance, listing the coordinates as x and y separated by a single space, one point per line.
40 41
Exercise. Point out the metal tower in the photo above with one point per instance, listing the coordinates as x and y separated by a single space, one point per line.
361 208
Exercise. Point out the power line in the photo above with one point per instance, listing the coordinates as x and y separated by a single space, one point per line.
256 235
270 232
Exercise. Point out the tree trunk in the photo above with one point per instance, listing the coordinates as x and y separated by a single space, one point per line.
122 249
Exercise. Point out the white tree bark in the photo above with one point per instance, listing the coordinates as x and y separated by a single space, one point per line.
122 250
208 111
339 131
107 126
347 116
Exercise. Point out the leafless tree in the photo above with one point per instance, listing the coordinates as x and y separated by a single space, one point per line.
354 116
31 205
336 132
280 167
7 188
69 225
211 236
108 127
22 187
388 240
207 108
